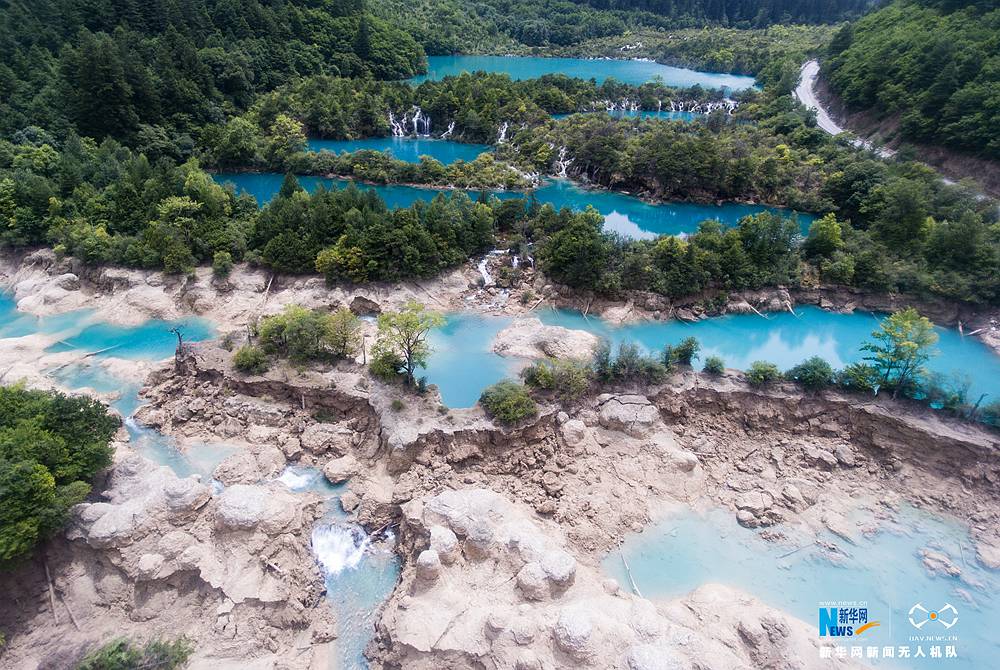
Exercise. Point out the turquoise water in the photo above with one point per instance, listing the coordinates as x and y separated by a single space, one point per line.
786 340
151 340
405 148
626 71
624 214
687 550
463 363
359 575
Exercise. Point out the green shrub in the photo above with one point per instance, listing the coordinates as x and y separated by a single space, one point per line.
385 363
123 654
251 360
222 263
714 365
51 446
508 402
813 373
860 377
397 405
762 372
684 353
527 297
568 378
631 365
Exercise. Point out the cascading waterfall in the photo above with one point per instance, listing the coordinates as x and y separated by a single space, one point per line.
413 122
562 163
502 132
421 123
451 129
338 547
398 129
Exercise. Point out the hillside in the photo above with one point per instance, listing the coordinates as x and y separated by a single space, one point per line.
931 70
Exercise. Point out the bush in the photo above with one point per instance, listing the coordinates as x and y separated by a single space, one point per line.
508 402
813 373
714 365
51 446
630 365
762 372
251 360
859 377
681 354
123 654
222 263
385 363
397 405
343 334
568 378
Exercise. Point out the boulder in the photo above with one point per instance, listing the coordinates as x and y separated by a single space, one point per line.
428 566
531 580
363 306
321 438
244 507
632 414
573 632
341 469
530 338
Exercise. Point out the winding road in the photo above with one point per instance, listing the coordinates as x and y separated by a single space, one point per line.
805 92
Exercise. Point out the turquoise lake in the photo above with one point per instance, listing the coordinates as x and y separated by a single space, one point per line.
627 71
624 214
463 363
404 148
686 550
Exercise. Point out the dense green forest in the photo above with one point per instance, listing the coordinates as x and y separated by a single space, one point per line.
452 26
153 71
51 446
934 66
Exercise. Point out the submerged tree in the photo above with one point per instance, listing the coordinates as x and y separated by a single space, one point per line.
903 344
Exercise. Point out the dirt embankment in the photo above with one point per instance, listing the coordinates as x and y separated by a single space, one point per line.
885 130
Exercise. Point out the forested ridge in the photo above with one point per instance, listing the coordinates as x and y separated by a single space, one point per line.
933 66
450 26
155 70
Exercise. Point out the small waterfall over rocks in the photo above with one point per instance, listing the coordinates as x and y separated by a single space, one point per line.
414 122
562 163
338 547
502 132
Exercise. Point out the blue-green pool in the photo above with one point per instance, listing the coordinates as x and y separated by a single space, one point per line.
463 363
405 148
624 214
359 575
627 71
688 549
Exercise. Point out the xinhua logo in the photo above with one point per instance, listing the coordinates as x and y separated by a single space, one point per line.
920 616
844 621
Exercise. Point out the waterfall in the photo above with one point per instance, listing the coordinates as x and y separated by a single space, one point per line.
514 261
451 129
421 123
338 547
502 132
562 163
414 119
659 106
298 479
484 271
397 126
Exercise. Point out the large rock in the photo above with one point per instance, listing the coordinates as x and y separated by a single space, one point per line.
341 469
244 507
322 438
530 338
632 414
